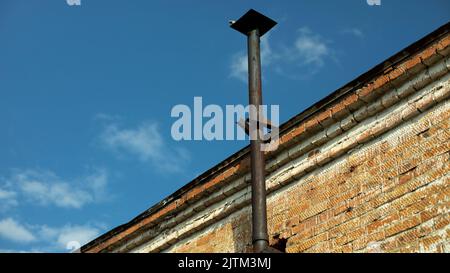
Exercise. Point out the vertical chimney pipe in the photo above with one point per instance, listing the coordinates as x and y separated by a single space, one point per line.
254 25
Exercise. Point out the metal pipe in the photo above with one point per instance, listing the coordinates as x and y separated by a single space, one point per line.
254 25
259 211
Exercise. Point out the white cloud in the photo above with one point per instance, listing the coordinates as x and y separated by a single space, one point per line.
97 182
68 236
239 67
14 231
46 188
7 199
354 31
60 194
311 48
42 238
146 142
309 52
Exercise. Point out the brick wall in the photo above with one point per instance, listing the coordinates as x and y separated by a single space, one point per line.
368 173
390 194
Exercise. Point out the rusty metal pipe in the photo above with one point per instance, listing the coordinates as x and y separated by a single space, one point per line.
254 25
259 211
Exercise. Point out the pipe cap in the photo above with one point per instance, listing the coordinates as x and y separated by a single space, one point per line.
253 20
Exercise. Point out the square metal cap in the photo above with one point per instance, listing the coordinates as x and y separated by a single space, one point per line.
253 20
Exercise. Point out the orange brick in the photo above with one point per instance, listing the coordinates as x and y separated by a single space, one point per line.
441 222
402 226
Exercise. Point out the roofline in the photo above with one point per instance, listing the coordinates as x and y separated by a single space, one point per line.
350 87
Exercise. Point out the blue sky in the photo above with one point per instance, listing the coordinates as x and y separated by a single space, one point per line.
86 94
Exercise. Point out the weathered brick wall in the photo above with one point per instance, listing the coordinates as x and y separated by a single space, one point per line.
391 194
368 173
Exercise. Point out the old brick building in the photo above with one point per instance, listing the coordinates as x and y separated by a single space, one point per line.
366 169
